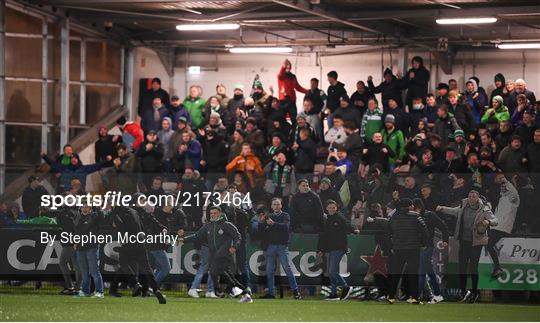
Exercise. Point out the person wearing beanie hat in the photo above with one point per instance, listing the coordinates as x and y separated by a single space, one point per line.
390 88
261 98
476 98
177 111
416 80
408 233
498 111
154 90
348 112
442 94
394 138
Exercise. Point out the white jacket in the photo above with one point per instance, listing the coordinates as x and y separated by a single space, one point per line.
336 136
507 209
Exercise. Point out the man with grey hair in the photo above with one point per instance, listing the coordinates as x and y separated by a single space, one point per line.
520 87
474 217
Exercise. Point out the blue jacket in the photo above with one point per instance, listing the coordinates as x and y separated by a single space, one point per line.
71 172
277 233
176 113
147 119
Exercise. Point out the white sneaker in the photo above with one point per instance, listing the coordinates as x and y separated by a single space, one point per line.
193 293
235 292
210 295
436 299
98 295
246 299
81 294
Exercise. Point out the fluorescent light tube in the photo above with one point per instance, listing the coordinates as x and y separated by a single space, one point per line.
205 27
519 46
259 50
465 21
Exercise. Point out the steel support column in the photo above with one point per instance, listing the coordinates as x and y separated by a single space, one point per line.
129 64
82 102
44 86
2 98
64 82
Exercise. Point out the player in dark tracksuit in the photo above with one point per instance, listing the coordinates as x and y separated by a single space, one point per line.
135 255
408 233
223 239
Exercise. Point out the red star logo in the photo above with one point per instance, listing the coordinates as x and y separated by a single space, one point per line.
377 262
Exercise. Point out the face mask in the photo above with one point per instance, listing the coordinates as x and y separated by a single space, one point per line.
417 106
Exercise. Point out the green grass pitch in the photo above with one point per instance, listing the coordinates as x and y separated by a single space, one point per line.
40 307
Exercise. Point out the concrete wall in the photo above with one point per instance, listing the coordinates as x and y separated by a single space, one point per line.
232 69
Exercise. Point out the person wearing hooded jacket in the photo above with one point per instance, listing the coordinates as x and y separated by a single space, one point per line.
223 239
500 87
476 98
165 135
474 217
498 111
333 243
506 215
416 80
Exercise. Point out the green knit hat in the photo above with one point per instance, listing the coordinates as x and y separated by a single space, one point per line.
257 85
459 133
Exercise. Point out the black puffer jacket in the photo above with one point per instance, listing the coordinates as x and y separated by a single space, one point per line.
407 230
306 209
334 233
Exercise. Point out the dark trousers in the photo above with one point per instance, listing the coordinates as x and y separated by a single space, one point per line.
221 269
405 263
469 257
494 237
134 259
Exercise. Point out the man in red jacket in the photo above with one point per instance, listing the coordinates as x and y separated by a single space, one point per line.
288 84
